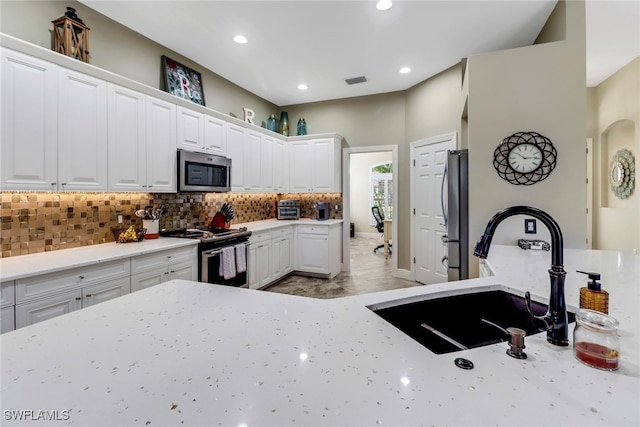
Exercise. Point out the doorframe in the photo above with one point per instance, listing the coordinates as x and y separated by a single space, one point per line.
346 201
443 138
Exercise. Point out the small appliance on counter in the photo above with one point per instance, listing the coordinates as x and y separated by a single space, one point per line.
288 209
323 211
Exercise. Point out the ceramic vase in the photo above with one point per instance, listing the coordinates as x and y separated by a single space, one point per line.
284 123
271 123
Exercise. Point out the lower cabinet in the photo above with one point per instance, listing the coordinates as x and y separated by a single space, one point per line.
318 249
158 267
7 306
8 319
28 313
270 256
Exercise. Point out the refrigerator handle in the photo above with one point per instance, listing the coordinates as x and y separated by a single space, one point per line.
444 208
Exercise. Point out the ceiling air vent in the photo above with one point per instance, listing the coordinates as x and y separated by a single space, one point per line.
356 80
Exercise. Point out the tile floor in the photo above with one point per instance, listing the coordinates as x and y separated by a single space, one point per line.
369 273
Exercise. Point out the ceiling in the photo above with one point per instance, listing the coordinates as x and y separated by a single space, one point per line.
322 43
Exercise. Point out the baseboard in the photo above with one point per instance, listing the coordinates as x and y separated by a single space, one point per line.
402 274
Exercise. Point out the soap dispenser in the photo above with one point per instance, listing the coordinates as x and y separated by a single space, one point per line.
593 297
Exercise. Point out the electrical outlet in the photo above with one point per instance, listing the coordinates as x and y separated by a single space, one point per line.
530 226
120 219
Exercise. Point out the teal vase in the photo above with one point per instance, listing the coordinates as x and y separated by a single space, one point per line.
284 123
302 127
271 123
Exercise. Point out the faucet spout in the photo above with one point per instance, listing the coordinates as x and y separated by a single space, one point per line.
556 317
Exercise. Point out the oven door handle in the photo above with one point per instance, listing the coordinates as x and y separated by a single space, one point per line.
212 252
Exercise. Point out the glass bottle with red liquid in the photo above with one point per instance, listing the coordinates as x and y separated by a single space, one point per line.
595 340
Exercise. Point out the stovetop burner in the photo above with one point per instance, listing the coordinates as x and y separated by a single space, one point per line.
206 234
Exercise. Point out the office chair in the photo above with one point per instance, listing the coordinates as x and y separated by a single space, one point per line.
379 217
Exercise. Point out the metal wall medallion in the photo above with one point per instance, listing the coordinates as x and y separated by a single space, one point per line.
622 174
525 158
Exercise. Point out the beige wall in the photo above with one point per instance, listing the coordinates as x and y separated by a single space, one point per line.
120 50
617 126
538 88
359 170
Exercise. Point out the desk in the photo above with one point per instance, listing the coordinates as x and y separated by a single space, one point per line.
388 235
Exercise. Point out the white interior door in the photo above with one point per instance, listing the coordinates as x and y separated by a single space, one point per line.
429 159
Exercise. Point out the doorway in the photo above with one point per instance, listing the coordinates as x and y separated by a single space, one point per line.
350 198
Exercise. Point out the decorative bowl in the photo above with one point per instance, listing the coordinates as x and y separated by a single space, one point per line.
128 234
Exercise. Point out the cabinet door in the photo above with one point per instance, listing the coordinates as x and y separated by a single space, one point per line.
190 129
235 151
161 146
252 269
53 306
286 254
8 319
276 266
29 149
301 165
215 136
280 168
7 294
92 295
266 163
313 253
147 279
263 264
82 132
126 139
184 270
252 161
323 166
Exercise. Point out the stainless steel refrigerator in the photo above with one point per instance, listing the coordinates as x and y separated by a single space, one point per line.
456 214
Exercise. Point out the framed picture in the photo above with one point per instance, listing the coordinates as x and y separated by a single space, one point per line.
182 81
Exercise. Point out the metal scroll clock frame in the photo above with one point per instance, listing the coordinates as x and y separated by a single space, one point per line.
525 142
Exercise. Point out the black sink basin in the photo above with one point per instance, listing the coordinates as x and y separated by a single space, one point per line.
453 323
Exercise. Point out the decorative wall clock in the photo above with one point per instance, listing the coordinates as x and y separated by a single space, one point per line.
622 174
525 158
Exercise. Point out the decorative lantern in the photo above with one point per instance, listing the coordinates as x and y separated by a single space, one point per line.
71 36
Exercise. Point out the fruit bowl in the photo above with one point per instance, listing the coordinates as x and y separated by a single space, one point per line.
128 234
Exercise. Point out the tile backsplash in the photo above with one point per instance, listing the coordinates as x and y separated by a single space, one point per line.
39 222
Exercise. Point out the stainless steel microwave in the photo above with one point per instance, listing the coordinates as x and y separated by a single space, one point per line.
203 172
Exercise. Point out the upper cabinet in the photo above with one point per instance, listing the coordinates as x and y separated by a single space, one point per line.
162 162
215 135
201 132
82 132
29 123
315 166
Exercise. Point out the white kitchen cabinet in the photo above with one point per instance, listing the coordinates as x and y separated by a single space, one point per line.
235 151
281 252
152 269
280 167
318 249
267 145
215 135
46 296
95 294
29 149
7 306
44 309
126 119
315 166
258 259
190 129
161 153
244 149
82 132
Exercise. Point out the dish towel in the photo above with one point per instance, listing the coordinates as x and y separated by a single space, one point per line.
241 258
227 263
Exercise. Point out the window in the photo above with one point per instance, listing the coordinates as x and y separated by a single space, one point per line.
381 187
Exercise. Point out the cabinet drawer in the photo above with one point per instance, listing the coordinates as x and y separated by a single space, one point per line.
7 294
38 311
162 258
282 231
313 229
259 236
47 284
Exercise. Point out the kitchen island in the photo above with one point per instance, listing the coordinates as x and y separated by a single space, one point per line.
187 353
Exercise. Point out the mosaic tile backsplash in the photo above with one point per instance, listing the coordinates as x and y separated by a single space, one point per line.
40 222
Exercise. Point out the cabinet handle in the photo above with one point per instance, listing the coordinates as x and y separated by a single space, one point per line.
173 271
64 183
78 298
81 277
150 186
89 295
53 184
166 272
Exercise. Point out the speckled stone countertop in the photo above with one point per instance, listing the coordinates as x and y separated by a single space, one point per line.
186 353
269 224
48 262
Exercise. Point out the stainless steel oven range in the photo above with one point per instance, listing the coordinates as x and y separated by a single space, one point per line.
212 243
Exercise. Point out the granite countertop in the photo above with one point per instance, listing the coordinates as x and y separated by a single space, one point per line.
18 267
197 354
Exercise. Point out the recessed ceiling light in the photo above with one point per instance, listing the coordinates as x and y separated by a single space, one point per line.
384 5
405 70
240 39
302 86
